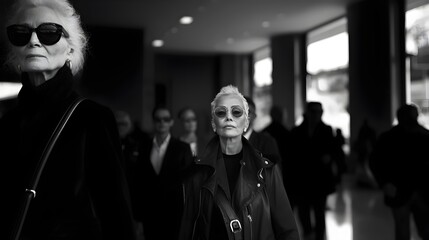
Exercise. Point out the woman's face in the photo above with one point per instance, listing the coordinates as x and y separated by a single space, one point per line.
229 118
35 56
189 121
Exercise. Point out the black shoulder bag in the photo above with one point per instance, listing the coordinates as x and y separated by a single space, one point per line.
30 192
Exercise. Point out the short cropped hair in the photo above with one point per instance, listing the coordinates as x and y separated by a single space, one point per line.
230 90
71 22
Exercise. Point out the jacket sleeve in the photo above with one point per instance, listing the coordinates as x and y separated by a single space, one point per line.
189 212
106 179
282 216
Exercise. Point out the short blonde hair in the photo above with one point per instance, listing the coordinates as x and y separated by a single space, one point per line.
230 90
70 20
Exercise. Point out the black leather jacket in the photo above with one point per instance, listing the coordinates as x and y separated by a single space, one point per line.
260 199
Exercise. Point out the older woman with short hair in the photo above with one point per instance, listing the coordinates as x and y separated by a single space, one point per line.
82 192
232 191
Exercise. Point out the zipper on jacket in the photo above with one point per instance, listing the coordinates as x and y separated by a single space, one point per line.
249 216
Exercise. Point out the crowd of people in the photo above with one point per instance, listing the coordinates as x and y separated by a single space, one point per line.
105 178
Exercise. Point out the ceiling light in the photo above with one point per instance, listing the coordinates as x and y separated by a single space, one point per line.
186 20
157 43
265 24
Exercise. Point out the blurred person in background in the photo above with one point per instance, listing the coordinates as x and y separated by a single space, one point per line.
159 195
315 165
133 141
82 192
400 165
262 141
189 120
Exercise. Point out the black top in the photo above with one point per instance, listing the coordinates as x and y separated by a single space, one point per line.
232 165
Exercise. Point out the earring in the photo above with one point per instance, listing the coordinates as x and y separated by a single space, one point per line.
245 129
69 63
214 129
19 67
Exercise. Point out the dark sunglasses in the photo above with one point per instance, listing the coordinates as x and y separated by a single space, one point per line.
222 111
162 119
47 33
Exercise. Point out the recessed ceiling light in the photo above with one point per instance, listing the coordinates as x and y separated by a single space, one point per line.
157 43
186 20
265 24
230 40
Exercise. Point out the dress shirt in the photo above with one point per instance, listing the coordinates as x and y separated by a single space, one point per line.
158 152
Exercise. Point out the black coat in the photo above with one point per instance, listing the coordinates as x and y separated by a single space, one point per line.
313 161
259 198
158 199
400 158
82 193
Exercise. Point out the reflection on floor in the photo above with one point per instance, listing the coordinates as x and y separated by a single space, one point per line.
359 213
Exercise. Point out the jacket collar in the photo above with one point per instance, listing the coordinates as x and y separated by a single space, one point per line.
51 92
251 174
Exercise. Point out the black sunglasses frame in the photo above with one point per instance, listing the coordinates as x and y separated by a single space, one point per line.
45 36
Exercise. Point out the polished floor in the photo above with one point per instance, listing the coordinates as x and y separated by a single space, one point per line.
357 212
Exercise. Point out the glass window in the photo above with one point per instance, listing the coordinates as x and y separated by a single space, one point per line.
417 47
327 79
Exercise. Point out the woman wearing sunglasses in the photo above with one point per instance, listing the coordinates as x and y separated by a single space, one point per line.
232 191
82 191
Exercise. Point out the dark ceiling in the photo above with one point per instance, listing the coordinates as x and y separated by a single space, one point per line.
233 26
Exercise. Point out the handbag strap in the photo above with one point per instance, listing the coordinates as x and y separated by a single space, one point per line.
50 145
229 215
31 191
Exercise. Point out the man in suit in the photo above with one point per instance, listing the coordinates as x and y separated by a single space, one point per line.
158 180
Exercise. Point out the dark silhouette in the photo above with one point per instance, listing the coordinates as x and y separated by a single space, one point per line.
133 141
279 132
262 141
363 147
313 163
158 192
340 157
400 165
282 136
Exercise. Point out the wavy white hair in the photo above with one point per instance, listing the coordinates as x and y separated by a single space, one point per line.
70 20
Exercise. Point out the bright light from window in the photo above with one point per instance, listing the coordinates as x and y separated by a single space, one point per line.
263 69
9 90
328 54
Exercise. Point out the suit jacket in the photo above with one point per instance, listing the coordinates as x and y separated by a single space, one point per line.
158 198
